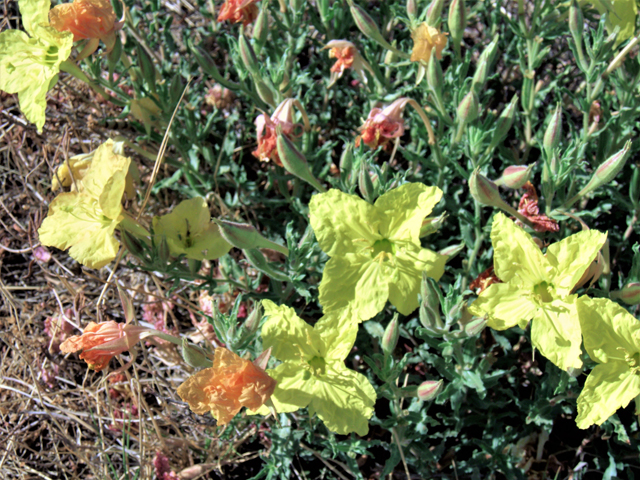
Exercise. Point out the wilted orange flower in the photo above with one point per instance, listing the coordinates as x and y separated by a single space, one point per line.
236 11
347 56
100 342
232 383
528 207
425 39
266 130
383 125
94 20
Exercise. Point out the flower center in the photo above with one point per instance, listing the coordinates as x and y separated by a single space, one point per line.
317 365
633 360
383 249
542 291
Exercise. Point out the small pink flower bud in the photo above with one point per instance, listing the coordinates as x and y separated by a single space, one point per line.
516 176
390 336
429 390
41 254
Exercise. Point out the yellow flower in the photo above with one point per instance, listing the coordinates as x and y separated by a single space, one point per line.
232 383
425 39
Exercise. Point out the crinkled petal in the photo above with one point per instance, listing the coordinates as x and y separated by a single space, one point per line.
344 400
555 331
606 328
338 332
403 209
34 12
505 304
516 257
294 389
290 337
193 391
410 261
343 223
572 256
609 386
356 282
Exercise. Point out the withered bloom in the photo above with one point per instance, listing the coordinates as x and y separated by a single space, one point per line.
100 342
92 20
232 383
425 40
347 56
528 207
236 11
383 125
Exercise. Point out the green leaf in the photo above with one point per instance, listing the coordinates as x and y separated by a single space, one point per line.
516 257
555 331
403 209
572 256
506 305
609 387
343 223
189 231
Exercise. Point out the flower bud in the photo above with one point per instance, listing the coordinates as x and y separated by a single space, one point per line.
390 336
434 12
261 29
630 294
468 108
452 251
429 390
457 22
634 187
367 25
435 79
257 261
365 184
474 325
432 224
484 191
515 176
576 23
132 244
346 161
429 312
248 56
163 250
481 73
504 123
295 163
491 50
553 134
412 9
252 322
147 67
244 236
194 356
605 173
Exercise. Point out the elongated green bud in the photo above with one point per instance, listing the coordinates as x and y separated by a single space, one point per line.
248 56
194 355
432 225
491 51
457 22
435 78
452 251
365 184
553 133
485 192
367 25
515 176
634 186
504 123
265 92
429 390
474 326
605 173
412 8
429 312
434 13
244 236
576 23
630 294
346 162
391 335
257 261
294 162
468 108
481 73
261 29
252 322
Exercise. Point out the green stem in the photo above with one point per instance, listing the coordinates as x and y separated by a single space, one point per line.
75 71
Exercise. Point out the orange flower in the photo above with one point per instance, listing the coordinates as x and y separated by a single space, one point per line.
383 125
232 383
236 11
425 39
94 20
266 130
348 57
100 342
